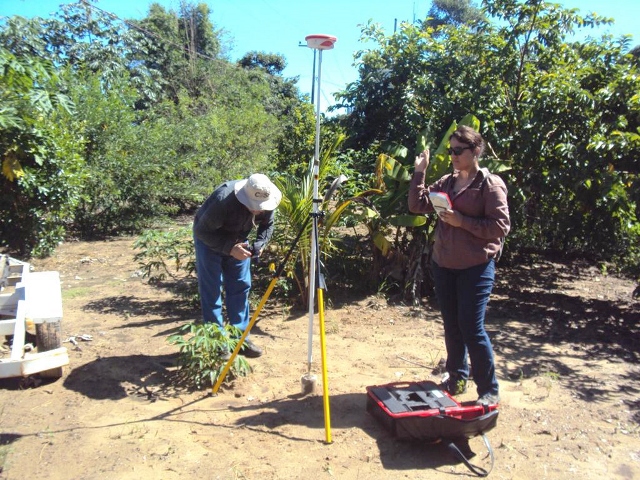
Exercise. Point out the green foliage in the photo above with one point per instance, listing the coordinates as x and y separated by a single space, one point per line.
124 185
399 239
184 49
88 39
452 12
272 63
296 207
198 145
562 115
165 254
201 346
295 139
161 119
168 258
40 156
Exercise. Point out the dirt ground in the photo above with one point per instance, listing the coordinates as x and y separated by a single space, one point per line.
566 343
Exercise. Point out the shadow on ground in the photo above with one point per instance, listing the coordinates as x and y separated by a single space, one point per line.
130 307
348 411
114 378
535 307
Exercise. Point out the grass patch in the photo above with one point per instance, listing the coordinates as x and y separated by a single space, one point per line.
76 292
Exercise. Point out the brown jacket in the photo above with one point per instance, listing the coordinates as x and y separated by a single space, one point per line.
485 222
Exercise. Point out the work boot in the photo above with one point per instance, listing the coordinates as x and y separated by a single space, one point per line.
250 349
225 354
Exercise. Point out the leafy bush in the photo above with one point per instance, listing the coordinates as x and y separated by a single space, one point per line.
42 170
201 346
563 114
153 132
170 255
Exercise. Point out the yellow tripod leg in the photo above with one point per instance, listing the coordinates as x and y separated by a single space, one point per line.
325 377
227 367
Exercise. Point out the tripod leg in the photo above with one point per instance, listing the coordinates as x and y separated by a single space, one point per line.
325 376
254 317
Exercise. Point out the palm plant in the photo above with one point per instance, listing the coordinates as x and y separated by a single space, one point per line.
295 211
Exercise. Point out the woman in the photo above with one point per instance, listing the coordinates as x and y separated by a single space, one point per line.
468 240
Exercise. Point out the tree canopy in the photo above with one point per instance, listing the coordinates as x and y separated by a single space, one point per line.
452 12
563 116
155 117
108 124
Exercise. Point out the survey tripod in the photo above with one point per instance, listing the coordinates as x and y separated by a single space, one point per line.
316 289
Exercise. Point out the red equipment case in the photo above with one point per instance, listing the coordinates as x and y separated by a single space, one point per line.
423 411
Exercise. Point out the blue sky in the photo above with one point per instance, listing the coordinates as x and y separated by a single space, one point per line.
279 26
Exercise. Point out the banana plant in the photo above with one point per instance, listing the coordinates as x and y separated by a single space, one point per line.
400 239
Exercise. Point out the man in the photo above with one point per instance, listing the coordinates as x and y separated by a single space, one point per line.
223 255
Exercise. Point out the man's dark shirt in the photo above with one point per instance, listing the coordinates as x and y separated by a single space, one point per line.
222 221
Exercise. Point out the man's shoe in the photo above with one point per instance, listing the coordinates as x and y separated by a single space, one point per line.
250 349
488 399
225 354
454 386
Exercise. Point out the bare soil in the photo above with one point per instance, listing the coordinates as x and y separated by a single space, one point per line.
566 343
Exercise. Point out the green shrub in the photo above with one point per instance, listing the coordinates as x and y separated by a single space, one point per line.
169 255
201 346
42 170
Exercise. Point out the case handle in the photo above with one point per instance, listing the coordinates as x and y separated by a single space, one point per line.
479 471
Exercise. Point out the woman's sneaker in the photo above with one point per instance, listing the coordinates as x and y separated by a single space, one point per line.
454 385
488 399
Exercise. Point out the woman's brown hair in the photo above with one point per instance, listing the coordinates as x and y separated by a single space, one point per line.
469 136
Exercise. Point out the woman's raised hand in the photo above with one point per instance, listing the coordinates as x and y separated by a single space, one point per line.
422 161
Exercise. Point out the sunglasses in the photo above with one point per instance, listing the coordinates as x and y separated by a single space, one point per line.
458 150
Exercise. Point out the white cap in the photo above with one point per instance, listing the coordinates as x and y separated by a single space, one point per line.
258 193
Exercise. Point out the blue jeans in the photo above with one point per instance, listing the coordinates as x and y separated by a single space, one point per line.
463 296
216 270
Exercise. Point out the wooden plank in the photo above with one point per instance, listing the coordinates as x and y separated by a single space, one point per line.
39 362
43 297
9 301
17 349
34 363
3 265
15 271
10 368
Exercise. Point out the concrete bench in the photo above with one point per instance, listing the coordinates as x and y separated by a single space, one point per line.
36 301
